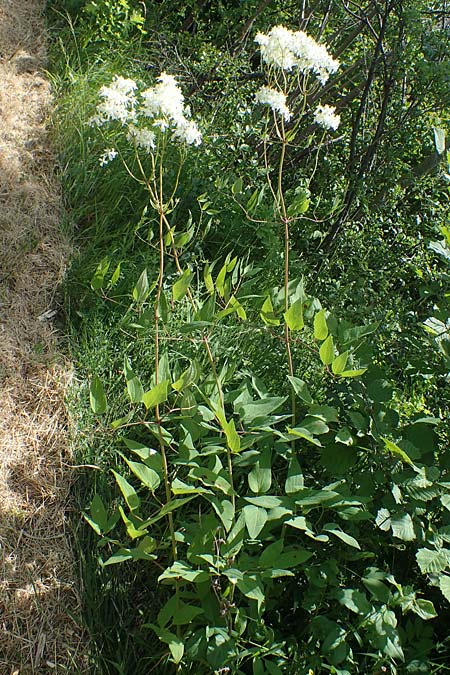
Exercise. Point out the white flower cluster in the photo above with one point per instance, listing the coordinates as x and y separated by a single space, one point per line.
325 116
165 102
118 102
108 156
287 49
276 100
143 138
162 105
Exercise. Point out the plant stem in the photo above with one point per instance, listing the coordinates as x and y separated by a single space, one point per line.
157 319
285 219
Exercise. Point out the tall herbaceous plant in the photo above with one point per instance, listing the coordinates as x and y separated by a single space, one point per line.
214 491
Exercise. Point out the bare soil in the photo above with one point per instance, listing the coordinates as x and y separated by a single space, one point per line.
38 588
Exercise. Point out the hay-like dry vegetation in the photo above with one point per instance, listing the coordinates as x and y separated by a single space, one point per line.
37 588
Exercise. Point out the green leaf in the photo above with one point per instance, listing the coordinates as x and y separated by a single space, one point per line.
300 389
269 556
294 481
439 140
397 452
260 409
181 570
100 274
142 288
425 609
98 513
147 476
163 307
134 386
267 314
339 363
353 373
118 557
134 529
251 588
431 561
185 614
354 600
266 501
344 436
156 395
128 491
225 510
303 432
260 477
320 326
97 396
444 585
220 280
231 434
402 527
236 188
300 203
180 287
115 277
207 277
255 519
294 315
332 528
445 501
326 351
175 644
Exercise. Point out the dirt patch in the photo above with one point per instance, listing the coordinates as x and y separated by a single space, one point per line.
38 592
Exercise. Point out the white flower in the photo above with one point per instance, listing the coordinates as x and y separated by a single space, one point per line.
286 49
324 115
118 102
276 100
187 131
165 98
144 138
276 47
165 101
312 56
108 156
163 104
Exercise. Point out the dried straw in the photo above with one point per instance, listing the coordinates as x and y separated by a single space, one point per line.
38 589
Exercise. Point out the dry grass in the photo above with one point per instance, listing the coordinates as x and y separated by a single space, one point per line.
37 588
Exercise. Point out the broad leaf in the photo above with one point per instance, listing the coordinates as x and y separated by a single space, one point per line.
180 287
397 452
431 561
326 351
134 386
97 396
147 476
339 363
175 644
127 490
301 389
444 585
402 527
294 315
320 326
294 481
332 528
255 519
267 314
156 395
260 477
142 288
